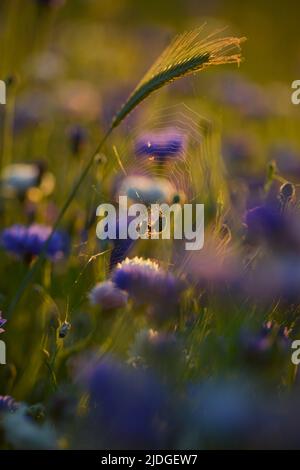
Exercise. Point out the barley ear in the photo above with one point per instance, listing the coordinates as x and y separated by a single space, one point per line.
188 53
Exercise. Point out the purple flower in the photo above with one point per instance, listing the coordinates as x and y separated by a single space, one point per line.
160 146
108 296
132 404
146 282
279 229
7 404
264 221
270 343
2 323
28 242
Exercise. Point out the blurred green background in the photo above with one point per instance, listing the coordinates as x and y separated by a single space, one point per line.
272 29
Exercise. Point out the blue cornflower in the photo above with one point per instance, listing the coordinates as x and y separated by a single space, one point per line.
278 228
160 146
7 403
264 221
28 242
146 282
132 403
2 323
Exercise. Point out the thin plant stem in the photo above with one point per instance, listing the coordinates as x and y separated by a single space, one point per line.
39 261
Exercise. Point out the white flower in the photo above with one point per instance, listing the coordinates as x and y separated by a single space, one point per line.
146 190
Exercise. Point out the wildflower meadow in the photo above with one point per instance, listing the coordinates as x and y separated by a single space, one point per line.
171 322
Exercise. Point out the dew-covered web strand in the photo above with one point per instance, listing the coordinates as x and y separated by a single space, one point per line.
176 171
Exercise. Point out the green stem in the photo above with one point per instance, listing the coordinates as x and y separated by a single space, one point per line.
7 144
52 376
76 348
39 261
